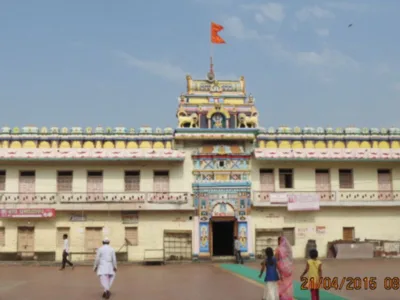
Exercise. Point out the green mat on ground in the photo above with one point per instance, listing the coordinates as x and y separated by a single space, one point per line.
298 293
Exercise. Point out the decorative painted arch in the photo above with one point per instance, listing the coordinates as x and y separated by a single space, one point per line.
395 145
309 144
339 145
44 145
29 144
222 209
108 145
297 145
132 145
15 144
145 145
120 145
271 144
365 144
76 144
383 145
284 145
88 145
158 145
222 110
353 144
320 145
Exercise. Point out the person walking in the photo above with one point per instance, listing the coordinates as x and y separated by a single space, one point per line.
238 253
65 253
314 270
105 265
284 256
271 276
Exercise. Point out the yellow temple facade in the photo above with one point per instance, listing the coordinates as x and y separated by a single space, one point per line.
184 193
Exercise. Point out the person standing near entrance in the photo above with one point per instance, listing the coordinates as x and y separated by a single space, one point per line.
238 253
65 253
105 265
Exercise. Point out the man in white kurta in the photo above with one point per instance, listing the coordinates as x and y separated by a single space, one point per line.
106 265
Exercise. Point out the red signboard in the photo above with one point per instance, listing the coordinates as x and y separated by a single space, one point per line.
28 213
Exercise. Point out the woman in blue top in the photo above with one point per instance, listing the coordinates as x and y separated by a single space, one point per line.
271 276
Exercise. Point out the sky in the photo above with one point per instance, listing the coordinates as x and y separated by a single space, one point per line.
123 63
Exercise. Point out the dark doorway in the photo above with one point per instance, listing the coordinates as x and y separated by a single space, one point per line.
223 238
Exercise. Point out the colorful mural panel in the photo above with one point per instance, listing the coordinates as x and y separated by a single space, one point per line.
204 238
242 235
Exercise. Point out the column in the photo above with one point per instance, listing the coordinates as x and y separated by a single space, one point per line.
250 237
196 237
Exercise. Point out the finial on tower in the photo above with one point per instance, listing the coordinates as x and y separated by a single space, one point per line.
211 75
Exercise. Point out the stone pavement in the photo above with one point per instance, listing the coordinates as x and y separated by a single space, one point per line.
179 281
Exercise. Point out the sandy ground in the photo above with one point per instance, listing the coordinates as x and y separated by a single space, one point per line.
180 282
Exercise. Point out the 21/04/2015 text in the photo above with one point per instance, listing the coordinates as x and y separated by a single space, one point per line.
341 283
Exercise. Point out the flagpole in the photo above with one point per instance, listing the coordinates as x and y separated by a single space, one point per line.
211 53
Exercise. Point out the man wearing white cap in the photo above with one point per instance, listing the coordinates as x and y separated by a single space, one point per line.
106 265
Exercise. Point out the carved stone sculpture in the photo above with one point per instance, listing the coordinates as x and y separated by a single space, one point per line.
192 120
247 122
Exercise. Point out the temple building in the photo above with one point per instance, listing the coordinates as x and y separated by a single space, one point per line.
184 193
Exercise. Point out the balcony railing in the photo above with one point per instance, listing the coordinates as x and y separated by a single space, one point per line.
123 197
333 196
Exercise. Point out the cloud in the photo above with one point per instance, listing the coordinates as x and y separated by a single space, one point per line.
307 13
326 58
235 27
382 69
259 18
271 11
348 6
322 32
166 70
162 69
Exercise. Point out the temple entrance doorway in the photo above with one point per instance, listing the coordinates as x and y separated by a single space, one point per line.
223 232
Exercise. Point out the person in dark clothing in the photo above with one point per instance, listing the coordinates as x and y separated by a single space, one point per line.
65 253
238 253
271 276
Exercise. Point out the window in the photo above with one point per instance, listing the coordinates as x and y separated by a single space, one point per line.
2 236
64 181
2 180
288 233
346 179
348 233
132 181
161 181
60 233
131 236
27 174
95 182
267 181
285 178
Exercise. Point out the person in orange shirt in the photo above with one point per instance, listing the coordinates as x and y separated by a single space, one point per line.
314 270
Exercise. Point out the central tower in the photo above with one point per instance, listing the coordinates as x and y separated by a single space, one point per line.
218 122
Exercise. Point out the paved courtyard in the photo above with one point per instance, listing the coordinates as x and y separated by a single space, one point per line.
178 282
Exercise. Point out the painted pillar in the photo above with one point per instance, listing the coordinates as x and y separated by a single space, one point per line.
250 236
196 238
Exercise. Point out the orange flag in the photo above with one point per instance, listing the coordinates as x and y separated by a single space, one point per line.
215 38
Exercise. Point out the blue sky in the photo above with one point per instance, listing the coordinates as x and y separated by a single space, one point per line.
110 63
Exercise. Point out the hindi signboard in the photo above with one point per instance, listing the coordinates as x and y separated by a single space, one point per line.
278 198
303 202
28 213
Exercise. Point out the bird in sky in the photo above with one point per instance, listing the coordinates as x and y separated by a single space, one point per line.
350 25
